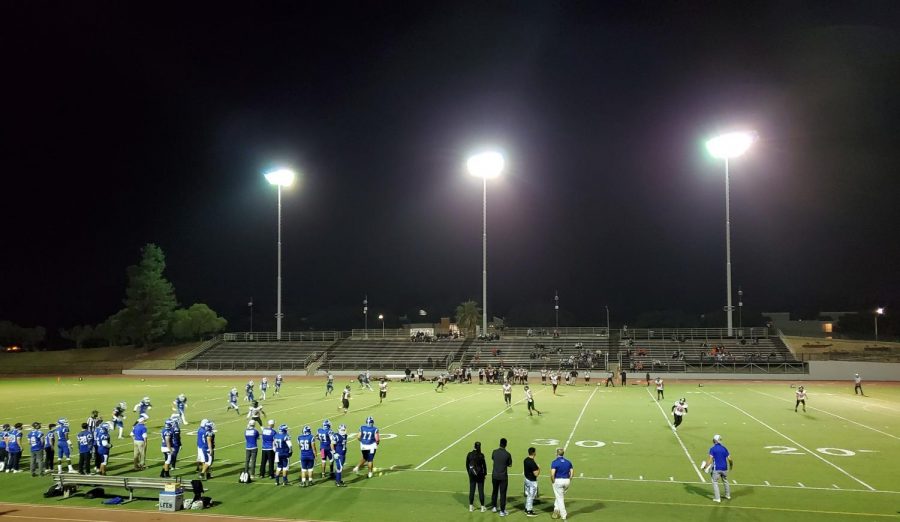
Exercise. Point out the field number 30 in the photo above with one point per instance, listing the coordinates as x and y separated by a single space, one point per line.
788 450
581 443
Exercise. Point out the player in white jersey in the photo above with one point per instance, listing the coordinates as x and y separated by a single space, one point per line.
345 399
554 381
544 376
529 400
679 410
507 394
660 392
256 413
382 390
801 399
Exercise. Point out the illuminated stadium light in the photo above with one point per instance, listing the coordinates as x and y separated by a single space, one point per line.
486 164
281 177
730 145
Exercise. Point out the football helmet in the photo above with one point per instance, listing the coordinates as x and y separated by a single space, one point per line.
342 429
283 428
307 430
326 424
370 421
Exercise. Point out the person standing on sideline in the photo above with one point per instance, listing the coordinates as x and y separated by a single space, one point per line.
476 468
532 471
268 450
251 435
801 399
660 393
85 440
679 410
648 379
718 463
500 477
139 435
166 448
857 385
561 472
36 443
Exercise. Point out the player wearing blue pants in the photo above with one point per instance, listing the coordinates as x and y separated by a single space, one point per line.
339 450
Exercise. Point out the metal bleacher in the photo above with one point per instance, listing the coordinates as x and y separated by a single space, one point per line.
391 354
250 355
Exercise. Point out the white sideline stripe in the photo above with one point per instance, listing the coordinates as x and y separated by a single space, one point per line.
814 454
674 432
578 420
660 481
457 441
833 415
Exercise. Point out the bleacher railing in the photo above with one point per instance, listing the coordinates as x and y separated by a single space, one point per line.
289 337
706 334
378 333
568 331
205 345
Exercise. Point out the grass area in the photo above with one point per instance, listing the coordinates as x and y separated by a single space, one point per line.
836 462
93 361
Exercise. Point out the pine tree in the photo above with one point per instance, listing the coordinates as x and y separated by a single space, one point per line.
149 297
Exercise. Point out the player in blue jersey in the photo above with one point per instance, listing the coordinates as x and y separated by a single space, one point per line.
233 401
36 444
283 451
306 443
97 457
268 450
85 439
167 448
339 450
118 417
178 406
324 436
263 387
4 455
368 443
248 391
176 440
104 446
204 448
143 407
278 380
14 448
329 384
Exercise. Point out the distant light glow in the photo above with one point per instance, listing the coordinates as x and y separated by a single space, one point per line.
879 311
381 316
730 145
486 164
281 177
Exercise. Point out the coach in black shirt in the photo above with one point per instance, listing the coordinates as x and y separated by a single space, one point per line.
532 470
500 476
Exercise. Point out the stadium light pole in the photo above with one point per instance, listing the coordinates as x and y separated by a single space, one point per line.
878 311
250 305
280 178
381 318
726 147
485 165
366 314
607 321
556 308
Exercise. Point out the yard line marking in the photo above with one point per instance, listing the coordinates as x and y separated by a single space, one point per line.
833 415
835 486
767 482
814 454
476 428
801 484
578 420
430 410
674 432
857 400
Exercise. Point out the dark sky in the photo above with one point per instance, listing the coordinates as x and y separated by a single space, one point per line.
126 123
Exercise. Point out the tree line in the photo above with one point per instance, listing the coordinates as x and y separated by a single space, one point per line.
150 314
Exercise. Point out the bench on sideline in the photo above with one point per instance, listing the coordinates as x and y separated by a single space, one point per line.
67 480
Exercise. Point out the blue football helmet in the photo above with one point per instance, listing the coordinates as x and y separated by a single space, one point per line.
307 430
370 421
283 428
326 424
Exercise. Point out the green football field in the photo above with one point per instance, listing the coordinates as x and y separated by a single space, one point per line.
838 461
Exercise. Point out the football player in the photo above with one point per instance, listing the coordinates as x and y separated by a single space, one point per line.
679 410
167 448
251 435
36 444
801 399
263 387
324 436
554 381
256 413
178 406
143 407
14 448
85 439
339 449
278 380
329 384
268 450
104 446
118 417
368 443
283 452
345 399
382 390
4 455
204 448
507 394
529 399
176 440
63 445
660 389
233 401
307 445
248 391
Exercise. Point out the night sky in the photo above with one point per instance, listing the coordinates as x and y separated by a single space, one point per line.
127 123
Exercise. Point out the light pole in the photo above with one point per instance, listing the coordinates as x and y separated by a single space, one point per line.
280 178
878 311
485 165
250 305
556 308
381 318
366 314
607 321
725 147
741 311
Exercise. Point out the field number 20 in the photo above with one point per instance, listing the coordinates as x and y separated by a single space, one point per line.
788 450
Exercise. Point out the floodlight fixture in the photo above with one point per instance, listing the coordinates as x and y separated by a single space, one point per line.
730 145
281 177
486 165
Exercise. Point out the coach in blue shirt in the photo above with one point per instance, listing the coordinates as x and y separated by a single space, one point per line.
561 472
139 434
718 464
